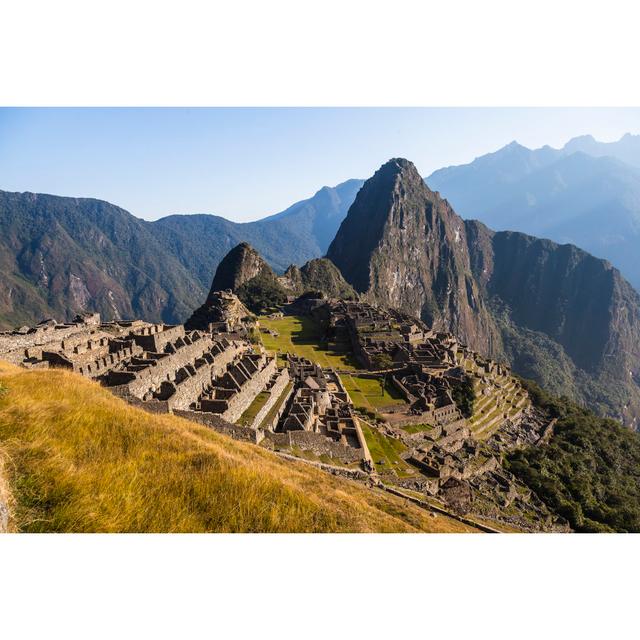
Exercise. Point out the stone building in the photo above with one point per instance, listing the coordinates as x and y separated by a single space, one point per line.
319 415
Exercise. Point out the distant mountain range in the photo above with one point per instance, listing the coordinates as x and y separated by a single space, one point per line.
587 194
62 255
299 233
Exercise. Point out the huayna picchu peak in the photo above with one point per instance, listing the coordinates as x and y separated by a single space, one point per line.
561 316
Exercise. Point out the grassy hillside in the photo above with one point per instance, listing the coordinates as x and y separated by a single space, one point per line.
78 459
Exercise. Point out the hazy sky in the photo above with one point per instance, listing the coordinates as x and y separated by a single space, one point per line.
247 163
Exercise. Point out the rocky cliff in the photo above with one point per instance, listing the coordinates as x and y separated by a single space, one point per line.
567 195
403 246
240 265
555 312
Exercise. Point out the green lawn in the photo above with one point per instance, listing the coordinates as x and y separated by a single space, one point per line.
271 414
252 410
368 392
417 428
382 447
302 336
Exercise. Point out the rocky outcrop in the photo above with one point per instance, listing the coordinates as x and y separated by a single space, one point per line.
319 275
542 306
244 272
221 307
240 265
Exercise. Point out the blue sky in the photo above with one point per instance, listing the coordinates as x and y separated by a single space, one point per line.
245 163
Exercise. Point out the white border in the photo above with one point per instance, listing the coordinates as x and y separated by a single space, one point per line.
335 52
297 586
283 52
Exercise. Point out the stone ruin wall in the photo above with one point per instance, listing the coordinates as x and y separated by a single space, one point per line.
166 366
14 346
183 393
240 401
92 363
152 406
317 444
280 412
276 391
404 392
156 337
214 421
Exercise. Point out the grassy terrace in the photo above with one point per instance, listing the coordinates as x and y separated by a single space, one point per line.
385 452
369 393
74 458
489 410
302 336
417 428
251 411
271 414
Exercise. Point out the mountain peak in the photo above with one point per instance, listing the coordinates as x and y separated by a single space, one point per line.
241 264
580 143
402 246
397 165
513 147
391 173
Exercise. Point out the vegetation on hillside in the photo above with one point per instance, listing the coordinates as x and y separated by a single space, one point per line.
261 293
322 275
382 361
464 396
81 460
59 256
535 356
590 470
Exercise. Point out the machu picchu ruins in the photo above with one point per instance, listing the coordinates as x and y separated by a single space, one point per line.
450 412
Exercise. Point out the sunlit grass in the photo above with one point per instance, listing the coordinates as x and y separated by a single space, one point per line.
81 460
302 337
417 428
369 392
386 451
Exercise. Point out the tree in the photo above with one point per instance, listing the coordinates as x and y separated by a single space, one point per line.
383 361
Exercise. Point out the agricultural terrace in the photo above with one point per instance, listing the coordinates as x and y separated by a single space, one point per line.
386 451
494 403
302 336
371 393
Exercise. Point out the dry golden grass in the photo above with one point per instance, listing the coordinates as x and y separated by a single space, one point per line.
81 460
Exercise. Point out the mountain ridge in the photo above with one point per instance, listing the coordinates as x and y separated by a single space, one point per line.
581 194
157 270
